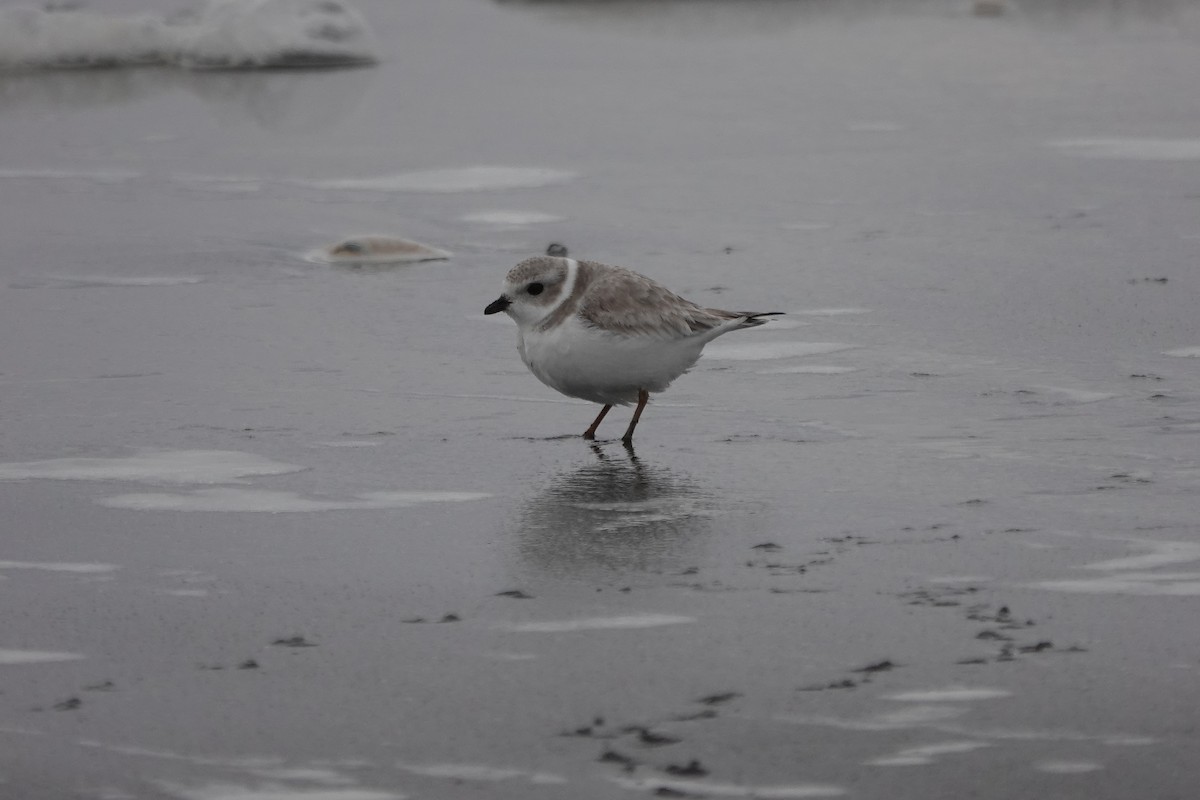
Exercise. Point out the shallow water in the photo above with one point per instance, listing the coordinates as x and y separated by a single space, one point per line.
932 534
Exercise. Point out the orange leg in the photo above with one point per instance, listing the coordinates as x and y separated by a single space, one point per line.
643 398
590 433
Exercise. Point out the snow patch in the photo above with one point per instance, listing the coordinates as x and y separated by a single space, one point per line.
467 179
276 502
1131 148
36 656
599 623
164 466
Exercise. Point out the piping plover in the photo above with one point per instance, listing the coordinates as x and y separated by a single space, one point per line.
606 334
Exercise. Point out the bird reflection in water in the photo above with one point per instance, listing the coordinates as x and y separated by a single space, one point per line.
613 513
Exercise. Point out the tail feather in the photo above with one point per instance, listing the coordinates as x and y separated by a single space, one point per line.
753 318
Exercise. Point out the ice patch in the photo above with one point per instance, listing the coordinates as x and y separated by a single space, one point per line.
60 566
355 443
231 184
956 579
761 351
1079 396
1067 767
118 281
951 694
806 226
919 716
377 250
499 655
598 623
510 218
36 656
1132 148
1145 584
1162 553
275 502
480 772
244 762
925 754
1183 352
467 179
669 786
325 777
105 176
1126 579
808 369
166 466
271 791
226 34
876 127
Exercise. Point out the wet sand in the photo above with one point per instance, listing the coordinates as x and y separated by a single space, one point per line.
280 529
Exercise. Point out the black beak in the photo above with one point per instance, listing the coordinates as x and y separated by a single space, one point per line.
498 305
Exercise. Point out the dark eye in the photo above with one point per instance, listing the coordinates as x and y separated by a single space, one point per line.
534 288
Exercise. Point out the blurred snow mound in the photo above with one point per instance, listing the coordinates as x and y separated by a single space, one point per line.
277 33
225 34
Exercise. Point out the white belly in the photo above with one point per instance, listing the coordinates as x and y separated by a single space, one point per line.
603 368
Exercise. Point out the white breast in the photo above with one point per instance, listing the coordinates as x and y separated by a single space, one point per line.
581 361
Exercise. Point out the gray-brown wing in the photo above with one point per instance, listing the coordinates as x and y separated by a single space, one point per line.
623 302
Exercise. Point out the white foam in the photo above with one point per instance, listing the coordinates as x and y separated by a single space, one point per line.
185 592
36 656
276 502
924 754
599 623
514 218
271 791
80 568
808 369
226 34
760 351
1067 767
480 772
1136 149
715 789
467 179
950 694
1183 352
165 466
